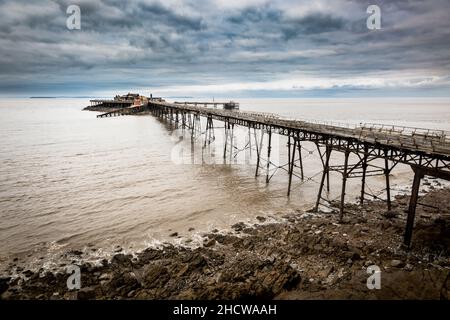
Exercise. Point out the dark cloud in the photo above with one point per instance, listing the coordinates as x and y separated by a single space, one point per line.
316 23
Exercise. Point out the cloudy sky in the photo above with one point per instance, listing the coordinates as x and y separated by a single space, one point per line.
230 48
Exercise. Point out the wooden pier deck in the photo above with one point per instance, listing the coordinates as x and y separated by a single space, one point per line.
123 111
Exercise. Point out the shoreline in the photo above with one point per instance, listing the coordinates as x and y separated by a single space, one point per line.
306 256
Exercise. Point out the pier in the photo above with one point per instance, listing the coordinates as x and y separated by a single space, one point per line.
426 151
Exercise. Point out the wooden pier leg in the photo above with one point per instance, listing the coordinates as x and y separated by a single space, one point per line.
328 181
418 175
291 164
250 140
269 148
226 139
363 180
206 132
300 158
344 182
231 142
322 181
289 152
193 127
258 150
388 187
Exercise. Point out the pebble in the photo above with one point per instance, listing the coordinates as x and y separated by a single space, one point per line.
409 267
397 264
104 276
209 243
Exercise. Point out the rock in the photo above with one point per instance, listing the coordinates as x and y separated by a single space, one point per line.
355 253
238 226
390 214
209 243
155 276
408 267
121 260
174 234
87 293
397 264
191 229
28 273
104 276
260 219
72 252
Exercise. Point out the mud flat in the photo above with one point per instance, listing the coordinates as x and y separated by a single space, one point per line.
302 256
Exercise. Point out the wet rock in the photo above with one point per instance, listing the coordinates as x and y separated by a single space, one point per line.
121 260
397 264
238 226
72 252
209 243
408 267
104 276
122 283
155 276
28 273
260 218
390 214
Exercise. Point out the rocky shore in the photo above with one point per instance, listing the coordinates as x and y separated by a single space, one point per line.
305 256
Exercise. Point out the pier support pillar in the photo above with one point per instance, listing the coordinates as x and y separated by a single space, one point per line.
418 175
227 128
387 172
258 149
326 168
344 183
269 148
363 180
300 157
291 163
